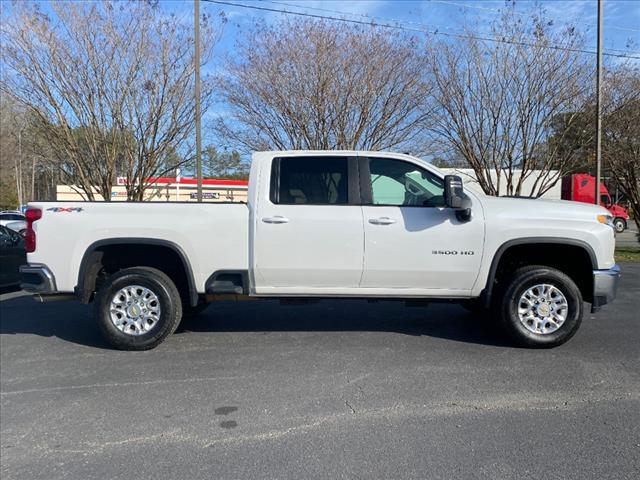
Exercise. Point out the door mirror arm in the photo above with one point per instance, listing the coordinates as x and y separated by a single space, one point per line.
463 214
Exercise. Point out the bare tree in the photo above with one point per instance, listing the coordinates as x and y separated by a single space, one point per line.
505 107
111 86
9 154
20 165
621 133
304 84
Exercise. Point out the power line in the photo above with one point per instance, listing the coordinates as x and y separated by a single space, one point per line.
361 15
433 32
497 10
396 21
476 7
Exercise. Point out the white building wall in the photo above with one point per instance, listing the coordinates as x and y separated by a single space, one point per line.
164 193
470 182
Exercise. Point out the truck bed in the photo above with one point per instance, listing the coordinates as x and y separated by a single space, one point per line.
213 236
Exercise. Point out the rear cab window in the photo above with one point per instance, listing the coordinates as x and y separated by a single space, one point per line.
311 181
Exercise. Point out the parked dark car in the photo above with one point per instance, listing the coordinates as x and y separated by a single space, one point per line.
12 255
7 216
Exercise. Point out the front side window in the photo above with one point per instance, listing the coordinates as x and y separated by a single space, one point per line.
311 181
403 184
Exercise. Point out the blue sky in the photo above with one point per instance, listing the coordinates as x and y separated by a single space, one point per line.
621 17
621 20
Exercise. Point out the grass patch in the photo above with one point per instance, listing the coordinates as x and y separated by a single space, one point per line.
627 254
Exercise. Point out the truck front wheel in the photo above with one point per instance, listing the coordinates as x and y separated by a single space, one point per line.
619 224
541 307
137 308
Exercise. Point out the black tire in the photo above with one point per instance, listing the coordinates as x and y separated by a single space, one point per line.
168 297
619 224
525 278
189 311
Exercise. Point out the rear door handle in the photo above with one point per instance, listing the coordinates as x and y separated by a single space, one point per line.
382 221
275 219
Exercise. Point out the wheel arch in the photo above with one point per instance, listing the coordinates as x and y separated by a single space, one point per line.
536 243
92 263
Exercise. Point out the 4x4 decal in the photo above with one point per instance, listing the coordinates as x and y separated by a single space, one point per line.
64 209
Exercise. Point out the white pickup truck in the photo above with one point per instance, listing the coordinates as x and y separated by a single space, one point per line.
327 224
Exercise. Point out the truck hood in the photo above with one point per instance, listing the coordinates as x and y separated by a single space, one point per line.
508 219
542 208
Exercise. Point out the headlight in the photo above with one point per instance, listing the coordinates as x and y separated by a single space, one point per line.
606 219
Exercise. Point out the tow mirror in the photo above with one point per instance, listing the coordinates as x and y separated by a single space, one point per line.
455 197
453 191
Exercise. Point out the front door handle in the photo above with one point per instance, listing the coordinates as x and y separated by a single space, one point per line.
382 221
275 219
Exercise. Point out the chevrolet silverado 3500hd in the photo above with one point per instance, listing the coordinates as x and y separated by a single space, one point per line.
327 224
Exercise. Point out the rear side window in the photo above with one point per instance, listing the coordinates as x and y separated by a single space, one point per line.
310 181
11 216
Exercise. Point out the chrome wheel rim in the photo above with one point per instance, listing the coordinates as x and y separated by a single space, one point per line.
543 309
134 310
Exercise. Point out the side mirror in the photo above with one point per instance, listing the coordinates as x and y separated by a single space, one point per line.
453 191
454 197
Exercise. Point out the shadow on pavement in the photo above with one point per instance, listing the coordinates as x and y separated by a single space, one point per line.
69 321
73 322
447 321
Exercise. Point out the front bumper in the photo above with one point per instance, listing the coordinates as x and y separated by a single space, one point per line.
605 286
37 278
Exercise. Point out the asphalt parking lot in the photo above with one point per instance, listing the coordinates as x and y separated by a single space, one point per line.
628 238
333 390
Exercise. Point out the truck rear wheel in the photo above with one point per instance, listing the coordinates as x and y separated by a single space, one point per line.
619 224
137 308
541 307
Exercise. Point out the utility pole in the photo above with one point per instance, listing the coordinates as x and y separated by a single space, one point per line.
599 107
196 59
178 178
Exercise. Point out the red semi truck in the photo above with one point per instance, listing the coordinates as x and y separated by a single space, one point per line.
580 187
